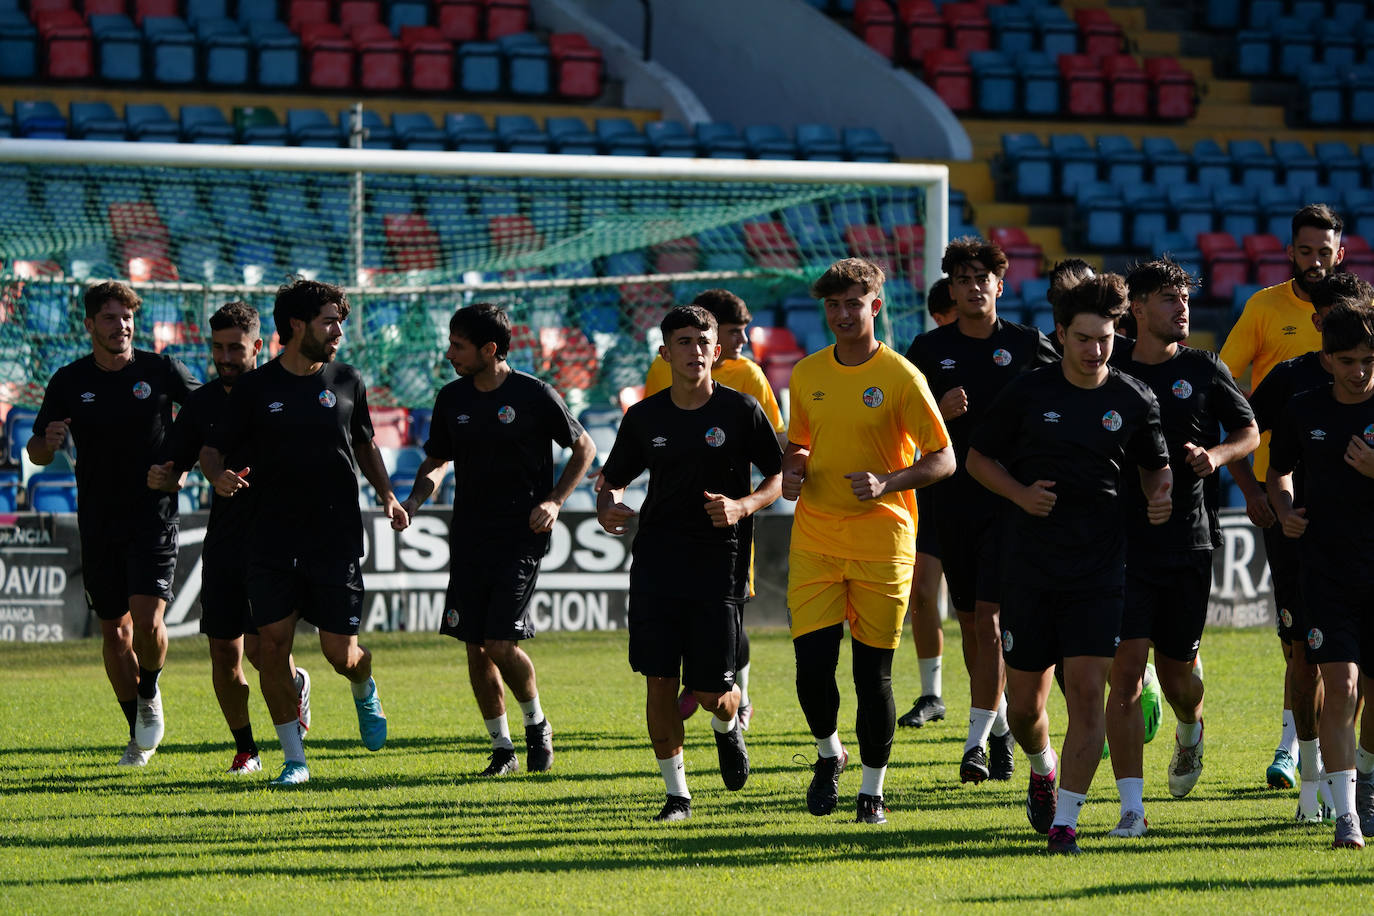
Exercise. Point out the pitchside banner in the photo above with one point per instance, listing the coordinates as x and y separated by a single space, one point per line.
583 585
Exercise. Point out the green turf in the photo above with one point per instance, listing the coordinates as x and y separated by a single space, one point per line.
410 828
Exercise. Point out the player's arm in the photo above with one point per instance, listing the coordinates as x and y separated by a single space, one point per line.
43 446
928 469
1236 447
725 511
372 465
225 481
1256 503
611 510
546 513
1037 499
428 476
794 458
1157 484
1292 519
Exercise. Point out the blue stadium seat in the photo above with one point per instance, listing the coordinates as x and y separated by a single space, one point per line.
171 50
1236 209
96 121
520 134
39 120
205 124
256 11
1167 163
1122 163
150 122
1252 163
720 140
570 135
1035 291
1101 210
1013 29
52 491
1039 82
225 51
670 138
1341 168
1337 43
1211 164
9 491
377 133
1222 14
1277 205
1182 249
119 49
416 130
768 141
995 82
620 137
1147 214
18 46
1240 294
199 10
311 127
1028 165
479 67
1295 44
18 429
527 64
470 132
1300 167
1058 33
1254 53
1360 98
1076 160
404 13
1263 13
278 53
1192 206
818 142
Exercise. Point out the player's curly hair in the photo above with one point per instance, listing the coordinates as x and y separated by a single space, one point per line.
1103 295
1148 278
969 249
100 293
1346 327
1341 289
303 300
239 315
843 274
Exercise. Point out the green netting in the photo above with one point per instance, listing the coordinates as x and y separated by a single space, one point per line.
586 267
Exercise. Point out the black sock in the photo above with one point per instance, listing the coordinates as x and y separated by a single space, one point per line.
243 740
147 682
130 708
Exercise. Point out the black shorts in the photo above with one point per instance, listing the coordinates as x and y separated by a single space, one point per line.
927 535
1166 601
1040 626
972 558
695 639
224 610
325 592
1282 553
1341 614
489 591
141 563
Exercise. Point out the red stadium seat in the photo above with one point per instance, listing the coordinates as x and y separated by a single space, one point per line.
104 8
1174 89
969 28
869 241
431 58
300 13
389 426
507 17
1024 257
67 53
512 234
771 344
143 9
328 54
570 356
1101 34
771 245
925 30
1226 264
578 67
1268 259
908 245
381 61
1359 259
1084 88
460 20
678 256
48 6
876 26
948 73
411 243
1128 88
356 12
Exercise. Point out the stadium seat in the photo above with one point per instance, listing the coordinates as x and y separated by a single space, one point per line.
996 82
403 13
1253 164
247 11
1147 214
1211 164
1084 86
119 49
359 12
1024 257
224 51
948 73
1128 89
199 10
1262 13
9 491
1168 165
377 134
470 132
1338 44
718 140
1100 32
1359 259
1039 77
770 344
967 25
68 49
1173 89
96 121
520 134
819 142
1268 259
278 53
1077 162
768 141
1225 262
1360 94
144 9
329 55
52 491
381 60
924 29
416 130
670 138
479 67
258 126
1253 54
205 124
459 20
1340 167
1100 210
1027 166
1058 34
39 121
18 46
1192 206
151 123
771 245
300 13
865 144
578 67
1012 29
431 59
18 428
528 64
171 50
1294 43
876 26
507 17
1237 210
1121 162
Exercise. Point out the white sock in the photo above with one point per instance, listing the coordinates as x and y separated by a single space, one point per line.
1188 733
1342 785
724 726
500 732
873 781
932 676
999 724
979 727
742 682
675 775
1043 763
1132 792
1067 807
1288 738
362 689
533 712
1364 761
830 747
1309 759
289 735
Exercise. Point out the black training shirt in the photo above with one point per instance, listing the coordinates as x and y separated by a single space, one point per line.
1288 378
1089 442
297 434
677 551
228 525
119 421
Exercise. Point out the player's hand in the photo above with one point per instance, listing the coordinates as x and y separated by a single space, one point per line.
598 479
954 403
1295 523
55 434
1360 456
164 477
230 482
543 516
792 481
1258 510
400 518
410 506
723 510
866 485
1160 505
614 518
1038 498
1199 459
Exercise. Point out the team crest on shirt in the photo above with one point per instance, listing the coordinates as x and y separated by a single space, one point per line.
1001 357
328 398
1286 617
87 397
1318 435
451 617
873 397
1182 389
142 390
715 437
1111 421
1315 638
950 364
1369 434
1007 641
506 414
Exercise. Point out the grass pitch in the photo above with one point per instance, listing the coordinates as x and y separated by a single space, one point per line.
410 828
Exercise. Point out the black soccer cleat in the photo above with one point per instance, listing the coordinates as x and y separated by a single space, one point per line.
734 758
1063 841
539 747
824 792
1003 758
974 767
1041 801
871 809
502 762
926 709
676 808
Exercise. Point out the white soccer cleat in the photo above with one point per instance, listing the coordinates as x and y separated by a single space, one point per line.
1132 824
148 726
1184 768
135 756
245 763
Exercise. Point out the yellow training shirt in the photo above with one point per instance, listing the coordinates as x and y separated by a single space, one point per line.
873 417
741 374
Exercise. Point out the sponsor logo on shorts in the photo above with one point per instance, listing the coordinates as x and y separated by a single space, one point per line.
1315 638
142 390
451 617
1369 434
87 397
1182 388
659 441
328 398
949 363
1319 435
1286 616
873 396
1001 357
463 419
506 414
1007 641
163 583
1289 330
715 437
1111 421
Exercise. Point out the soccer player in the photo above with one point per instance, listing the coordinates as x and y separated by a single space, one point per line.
689 578
1059 443
1330 431
733 370
1276 325
117 405
235 342
927 634
966 364
498 427
864 433
301 428
1169 566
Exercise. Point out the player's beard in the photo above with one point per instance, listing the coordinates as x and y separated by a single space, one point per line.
315 349
1304 284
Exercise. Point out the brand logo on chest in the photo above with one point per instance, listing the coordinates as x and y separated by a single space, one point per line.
275 407
659 441
1051 416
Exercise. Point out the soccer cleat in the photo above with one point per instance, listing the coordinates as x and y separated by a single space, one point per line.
303 699
135 756
1151 703
1184 768
1041 800
687 704
926 709
676 808
871 810
1364 802
1132 824
974 767
371 721
1283 772
293 773
148 722
539 747
1348 834
1002 764
245 763
1064 841
734 758
1320 814
824 792
502 762
746 715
